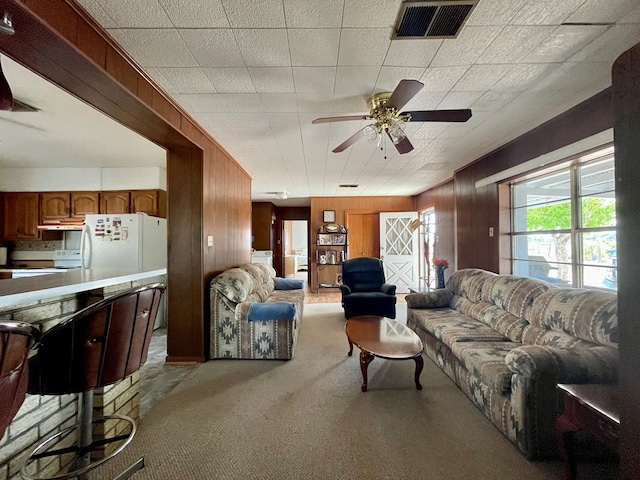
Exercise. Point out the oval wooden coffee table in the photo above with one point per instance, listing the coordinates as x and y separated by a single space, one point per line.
385 338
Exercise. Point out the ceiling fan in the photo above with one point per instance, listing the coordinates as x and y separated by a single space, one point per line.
385 107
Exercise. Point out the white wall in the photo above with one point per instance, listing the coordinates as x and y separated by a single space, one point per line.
77 179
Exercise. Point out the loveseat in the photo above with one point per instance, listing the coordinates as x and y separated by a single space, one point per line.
254 314
507 341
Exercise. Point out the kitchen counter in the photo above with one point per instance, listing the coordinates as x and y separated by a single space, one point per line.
22 290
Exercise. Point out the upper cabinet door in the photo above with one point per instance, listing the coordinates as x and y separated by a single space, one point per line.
83 203
114 202
21 216
151 202
54 206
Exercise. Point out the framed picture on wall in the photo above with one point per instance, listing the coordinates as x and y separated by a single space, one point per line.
325 239
339 239
328 216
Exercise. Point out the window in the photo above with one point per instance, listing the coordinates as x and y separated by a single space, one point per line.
427 242
564 225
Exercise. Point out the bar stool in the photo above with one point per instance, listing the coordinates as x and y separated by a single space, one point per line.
16 339
98 346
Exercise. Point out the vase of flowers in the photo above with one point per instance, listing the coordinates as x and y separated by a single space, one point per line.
439 265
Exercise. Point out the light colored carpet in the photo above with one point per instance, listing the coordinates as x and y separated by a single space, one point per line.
307 419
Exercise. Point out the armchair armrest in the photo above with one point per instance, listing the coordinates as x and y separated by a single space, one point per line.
388 289
598 364
438 298
345 290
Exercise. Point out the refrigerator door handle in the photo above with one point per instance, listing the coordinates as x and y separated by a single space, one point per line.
85 244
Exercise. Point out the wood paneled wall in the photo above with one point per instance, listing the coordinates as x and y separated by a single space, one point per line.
208 192
626 91
340 204
477 209
442 199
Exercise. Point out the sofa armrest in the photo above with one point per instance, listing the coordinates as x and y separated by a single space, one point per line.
388 289
598 364
438 298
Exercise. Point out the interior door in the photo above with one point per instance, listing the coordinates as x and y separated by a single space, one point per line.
399 250
364 239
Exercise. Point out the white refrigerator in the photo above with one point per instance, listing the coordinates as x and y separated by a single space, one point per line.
134 240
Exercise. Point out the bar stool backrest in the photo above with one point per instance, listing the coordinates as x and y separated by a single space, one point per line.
16 339
100 345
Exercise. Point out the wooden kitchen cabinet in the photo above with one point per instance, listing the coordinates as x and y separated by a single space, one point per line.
60 206
151 202
21 214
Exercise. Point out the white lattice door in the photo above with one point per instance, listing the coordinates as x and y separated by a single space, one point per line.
399 250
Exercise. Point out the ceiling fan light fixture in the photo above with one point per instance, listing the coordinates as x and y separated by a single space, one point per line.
396 130
371 132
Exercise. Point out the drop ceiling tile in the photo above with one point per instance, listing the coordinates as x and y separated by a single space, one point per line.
162 47
429 130
615 41
514 43
272 79
442 79
230 79
465 49
389 77
356 80
313 14
481 77
242 102
493 100
314 47
597 11
314 79
264 48
455 100
275 102
187 80
160 79
195 13
495 12
311 102
206 102
370 13
213 47
94 8
363 46
138 14
411 53
350 105
545 12
520 77
252 14
632 17
564 42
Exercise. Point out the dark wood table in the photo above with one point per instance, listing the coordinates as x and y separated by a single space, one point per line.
385 338
592 409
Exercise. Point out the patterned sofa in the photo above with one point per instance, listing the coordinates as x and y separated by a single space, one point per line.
231 295
506 341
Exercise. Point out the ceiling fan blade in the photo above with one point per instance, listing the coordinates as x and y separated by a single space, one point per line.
404 92
341 119
439 115
349 141
403 146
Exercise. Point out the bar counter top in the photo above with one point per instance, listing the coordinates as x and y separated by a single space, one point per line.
23 290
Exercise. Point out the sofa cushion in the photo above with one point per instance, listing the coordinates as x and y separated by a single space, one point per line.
502 321
589 315
234 284
438 298
467 283
487 361
513 294
450 326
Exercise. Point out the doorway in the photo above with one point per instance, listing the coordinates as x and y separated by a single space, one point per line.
296 249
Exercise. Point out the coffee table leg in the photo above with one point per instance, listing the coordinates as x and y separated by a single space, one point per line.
419 365
350 347
365 360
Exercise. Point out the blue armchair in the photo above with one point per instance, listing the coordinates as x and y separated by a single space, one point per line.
364 291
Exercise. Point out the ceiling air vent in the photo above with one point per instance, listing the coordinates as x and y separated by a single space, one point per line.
433 19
